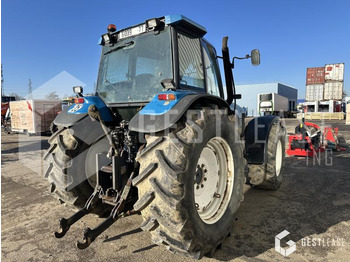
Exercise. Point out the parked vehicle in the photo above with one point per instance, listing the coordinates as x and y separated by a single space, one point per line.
274 104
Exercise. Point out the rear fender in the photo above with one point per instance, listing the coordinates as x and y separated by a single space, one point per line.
159 115
77 112
256 137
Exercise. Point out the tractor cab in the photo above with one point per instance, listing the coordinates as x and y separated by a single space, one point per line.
161 54
167 53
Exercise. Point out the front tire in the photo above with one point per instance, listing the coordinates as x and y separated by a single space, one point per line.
178 206
270 175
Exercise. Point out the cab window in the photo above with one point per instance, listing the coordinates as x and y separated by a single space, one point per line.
211 69
190 65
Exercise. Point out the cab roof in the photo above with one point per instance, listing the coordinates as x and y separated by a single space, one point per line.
186 24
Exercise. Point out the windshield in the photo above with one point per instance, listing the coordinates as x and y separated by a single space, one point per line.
132 69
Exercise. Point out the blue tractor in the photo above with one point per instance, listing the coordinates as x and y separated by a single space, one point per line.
161 138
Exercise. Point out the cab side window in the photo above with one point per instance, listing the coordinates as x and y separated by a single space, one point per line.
211 69
190 62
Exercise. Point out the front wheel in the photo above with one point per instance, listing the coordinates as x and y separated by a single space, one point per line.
190 183
270 175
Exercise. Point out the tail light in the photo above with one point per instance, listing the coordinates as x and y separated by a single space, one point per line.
79 100
166 97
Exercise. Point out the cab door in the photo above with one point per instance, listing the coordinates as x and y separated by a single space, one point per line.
211 70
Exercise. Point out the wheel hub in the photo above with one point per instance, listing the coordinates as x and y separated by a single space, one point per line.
199 175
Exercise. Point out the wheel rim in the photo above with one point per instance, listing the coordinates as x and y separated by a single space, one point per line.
214 180
278 158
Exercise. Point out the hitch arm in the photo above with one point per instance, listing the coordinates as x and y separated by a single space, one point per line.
116 213
65 223
91 234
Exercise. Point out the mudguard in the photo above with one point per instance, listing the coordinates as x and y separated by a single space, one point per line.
159 115
77 112
256 136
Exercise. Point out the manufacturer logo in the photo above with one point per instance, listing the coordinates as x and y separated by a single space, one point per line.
76 108
290 243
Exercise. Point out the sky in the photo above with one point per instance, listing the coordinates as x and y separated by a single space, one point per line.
41 39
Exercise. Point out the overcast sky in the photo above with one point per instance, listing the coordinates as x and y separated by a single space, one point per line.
41 38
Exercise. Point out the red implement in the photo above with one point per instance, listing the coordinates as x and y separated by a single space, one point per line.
299 146
330 137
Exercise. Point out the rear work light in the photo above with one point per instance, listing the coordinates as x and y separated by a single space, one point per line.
79 101
152 23
106 38
166 97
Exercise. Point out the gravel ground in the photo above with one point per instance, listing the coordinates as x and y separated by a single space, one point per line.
312 204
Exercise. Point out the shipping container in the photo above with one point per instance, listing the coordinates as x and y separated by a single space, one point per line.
334 72
320 106
314 92
309 93
315 75
311 106
326 106
333 90
33 116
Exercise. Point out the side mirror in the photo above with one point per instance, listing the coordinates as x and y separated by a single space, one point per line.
255 57
78 90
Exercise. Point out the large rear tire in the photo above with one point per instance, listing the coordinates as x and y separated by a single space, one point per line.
67 163
190 183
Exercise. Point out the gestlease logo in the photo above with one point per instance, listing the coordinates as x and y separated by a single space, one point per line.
290 243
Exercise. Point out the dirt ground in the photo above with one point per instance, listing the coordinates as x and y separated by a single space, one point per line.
313 204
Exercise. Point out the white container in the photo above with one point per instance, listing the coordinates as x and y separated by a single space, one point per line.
333 90
33 116
334 72
272 103
314 92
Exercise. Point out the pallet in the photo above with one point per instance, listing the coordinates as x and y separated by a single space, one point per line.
323 115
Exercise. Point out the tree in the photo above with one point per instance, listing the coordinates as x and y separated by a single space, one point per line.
52 96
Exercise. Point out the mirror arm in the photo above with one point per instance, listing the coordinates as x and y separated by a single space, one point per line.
239 58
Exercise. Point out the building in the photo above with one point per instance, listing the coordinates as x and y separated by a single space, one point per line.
250 95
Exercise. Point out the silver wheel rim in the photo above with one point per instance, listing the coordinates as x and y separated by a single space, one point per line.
278 158
214 180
